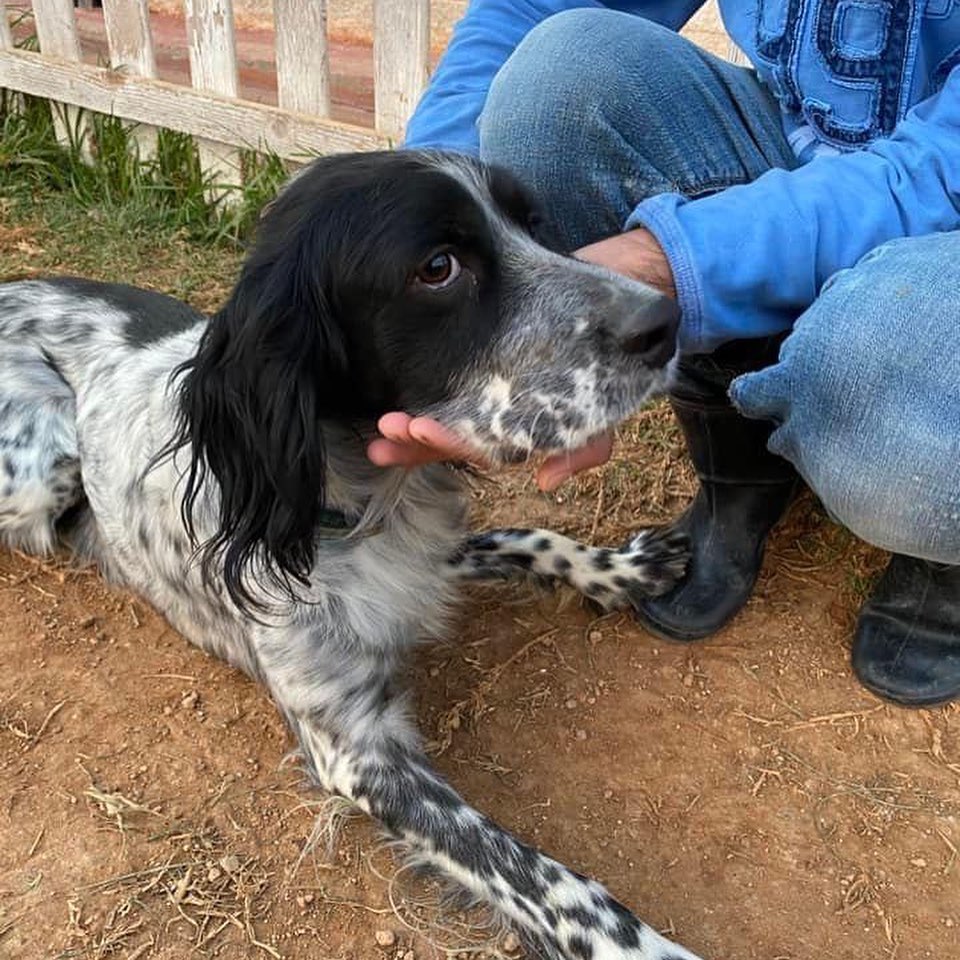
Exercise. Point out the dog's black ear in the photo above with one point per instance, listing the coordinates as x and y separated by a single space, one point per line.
271 365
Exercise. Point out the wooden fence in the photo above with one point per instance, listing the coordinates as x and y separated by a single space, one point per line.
211 109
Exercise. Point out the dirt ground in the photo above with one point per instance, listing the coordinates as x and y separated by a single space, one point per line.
743 794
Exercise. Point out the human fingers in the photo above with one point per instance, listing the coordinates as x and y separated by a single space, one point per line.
559 468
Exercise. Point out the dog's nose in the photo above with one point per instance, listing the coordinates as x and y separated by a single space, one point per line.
651 332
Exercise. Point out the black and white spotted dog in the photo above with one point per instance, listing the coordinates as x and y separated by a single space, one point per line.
143 431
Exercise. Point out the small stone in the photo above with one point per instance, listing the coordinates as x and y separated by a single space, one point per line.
571 704
918 862
607 794
214 873
595 636
385 938
688 680
434 671
190 700
581 734
304 900
511 942
230 863
948 922
409 955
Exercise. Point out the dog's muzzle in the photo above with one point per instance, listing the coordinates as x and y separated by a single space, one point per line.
645 324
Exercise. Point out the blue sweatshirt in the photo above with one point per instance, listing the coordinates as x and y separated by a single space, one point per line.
870 96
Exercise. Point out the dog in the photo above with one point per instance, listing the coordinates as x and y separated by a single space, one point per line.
217 467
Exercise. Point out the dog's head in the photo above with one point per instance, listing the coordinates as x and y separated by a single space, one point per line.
412 281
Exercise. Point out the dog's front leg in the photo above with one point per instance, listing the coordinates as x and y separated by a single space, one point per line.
650 563
358 742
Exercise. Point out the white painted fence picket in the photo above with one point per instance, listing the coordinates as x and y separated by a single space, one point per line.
131 51
6 35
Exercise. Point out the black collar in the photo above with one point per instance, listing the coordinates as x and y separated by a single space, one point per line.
334 525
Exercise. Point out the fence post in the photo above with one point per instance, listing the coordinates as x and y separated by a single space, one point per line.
303 65
57 34
213 68
13 101
131 51
401 54
6 34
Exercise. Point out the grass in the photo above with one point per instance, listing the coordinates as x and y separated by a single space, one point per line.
98 204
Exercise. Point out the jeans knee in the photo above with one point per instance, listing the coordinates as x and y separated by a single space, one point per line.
566 112
557 85
863 401
884 484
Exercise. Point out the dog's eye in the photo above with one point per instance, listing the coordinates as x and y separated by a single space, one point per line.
439 271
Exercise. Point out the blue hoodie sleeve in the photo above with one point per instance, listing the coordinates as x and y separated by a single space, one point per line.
446 117
747 261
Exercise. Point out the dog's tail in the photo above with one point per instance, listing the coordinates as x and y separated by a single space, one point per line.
562 914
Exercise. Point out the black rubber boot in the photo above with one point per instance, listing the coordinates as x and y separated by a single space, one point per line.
907 643
744 490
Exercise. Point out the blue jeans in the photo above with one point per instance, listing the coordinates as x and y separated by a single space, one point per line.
597 110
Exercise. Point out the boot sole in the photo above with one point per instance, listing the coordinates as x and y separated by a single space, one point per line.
900 700
917 704
666 633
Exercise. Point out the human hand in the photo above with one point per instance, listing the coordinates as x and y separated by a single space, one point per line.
636 254
407 441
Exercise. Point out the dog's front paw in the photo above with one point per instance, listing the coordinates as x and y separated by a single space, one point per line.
657 557
649 565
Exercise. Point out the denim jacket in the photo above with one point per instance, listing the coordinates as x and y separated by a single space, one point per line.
870 96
